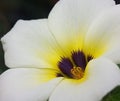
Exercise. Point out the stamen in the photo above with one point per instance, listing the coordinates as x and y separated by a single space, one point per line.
77 72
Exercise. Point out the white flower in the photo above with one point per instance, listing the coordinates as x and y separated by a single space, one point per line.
71 56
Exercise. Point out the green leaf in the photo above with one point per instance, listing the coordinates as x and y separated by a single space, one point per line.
114 95
119 65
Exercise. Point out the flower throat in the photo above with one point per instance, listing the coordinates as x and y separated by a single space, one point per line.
74 67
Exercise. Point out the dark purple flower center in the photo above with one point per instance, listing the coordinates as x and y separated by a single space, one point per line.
74 67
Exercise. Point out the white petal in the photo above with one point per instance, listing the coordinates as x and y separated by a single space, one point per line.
104 34
27 84
70 19
29 44
102 77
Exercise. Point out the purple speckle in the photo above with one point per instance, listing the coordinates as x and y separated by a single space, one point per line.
79 59
89 57
65 65
59 75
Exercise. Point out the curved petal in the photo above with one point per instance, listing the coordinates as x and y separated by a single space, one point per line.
104 35
27 84
70 19
101 76
30 44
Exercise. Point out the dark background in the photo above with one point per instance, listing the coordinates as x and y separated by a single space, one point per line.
12 10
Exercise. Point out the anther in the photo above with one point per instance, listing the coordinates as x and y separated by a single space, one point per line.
77 72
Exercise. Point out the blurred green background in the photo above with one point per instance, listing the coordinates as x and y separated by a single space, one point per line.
13 10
